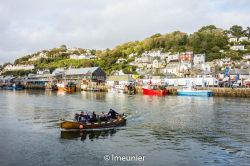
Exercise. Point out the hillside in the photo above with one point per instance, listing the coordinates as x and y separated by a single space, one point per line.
210 40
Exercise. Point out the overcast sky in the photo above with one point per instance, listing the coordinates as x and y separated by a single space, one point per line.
27 26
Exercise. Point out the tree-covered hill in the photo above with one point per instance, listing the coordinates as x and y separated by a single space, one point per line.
209 39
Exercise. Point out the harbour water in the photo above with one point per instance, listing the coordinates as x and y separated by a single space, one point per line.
169 130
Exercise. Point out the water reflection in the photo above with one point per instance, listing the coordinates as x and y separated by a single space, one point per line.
90 135
201 130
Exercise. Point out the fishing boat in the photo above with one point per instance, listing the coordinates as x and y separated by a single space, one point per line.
154 92
151 89
190 91
117 89
70 124
66 88
19 87
7 87
154 89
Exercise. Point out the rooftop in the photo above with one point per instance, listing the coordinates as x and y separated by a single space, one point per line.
81 70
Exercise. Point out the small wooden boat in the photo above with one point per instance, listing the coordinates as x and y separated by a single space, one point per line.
70 124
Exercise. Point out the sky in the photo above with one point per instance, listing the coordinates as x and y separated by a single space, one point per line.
28 26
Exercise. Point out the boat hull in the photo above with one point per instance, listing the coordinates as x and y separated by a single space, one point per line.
72 89
91 126
19 88
154 92
195 93
9 87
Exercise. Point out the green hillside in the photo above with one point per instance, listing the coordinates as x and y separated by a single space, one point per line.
208 39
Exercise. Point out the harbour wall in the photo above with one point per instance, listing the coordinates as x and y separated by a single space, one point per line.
223 92
218 91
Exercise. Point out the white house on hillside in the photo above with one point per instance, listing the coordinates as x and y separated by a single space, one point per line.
121 60
241 39
246 56
172 57
232 39
18 67
237 47
158 63
199 58
74 56
35 58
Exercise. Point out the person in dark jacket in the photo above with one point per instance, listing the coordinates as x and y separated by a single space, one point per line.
93 117
77 117
112 114
87 116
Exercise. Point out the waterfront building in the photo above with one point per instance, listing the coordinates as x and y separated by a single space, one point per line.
40 80
208 81
120 80
7 79
59 71
85 75
243 74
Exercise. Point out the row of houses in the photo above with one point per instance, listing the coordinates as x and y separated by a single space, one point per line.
11 67
237 42
96 76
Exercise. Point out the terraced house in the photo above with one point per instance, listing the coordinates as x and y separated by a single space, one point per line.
86 75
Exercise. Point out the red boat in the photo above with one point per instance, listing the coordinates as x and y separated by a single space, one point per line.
154 92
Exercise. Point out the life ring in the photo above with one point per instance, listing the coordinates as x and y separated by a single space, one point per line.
81 127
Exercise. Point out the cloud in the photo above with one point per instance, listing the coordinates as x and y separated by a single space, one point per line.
28 26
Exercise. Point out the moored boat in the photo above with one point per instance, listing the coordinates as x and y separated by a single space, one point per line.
194 92
154 89
19 87
7 87
67 88
117 88
70 124
154 92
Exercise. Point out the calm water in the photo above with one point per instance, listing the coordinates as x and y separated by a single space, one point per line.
167 130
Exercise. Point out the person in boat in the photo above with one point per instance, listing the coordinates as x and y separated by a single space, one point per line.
82 114
82 117
87 116
112 114
93 117
103 117
77 116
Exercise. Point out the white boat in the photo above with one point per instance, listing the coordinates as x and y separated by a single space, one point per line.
190 91
117 88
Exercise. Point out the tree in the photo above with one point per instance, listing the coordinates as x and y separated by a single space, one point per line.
237 31
63 46
247 32
208 28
